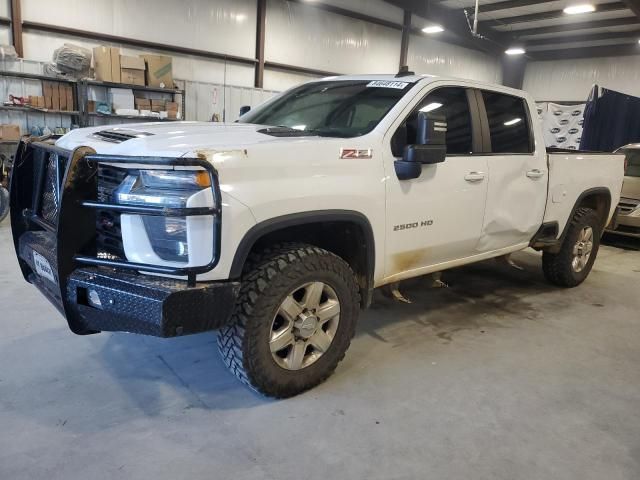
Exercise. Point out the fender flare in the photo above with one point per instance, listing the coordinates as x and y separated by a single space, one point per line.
296 219
587 193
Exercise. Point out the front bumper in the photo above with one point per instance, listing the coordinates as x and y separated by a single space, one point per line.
96 294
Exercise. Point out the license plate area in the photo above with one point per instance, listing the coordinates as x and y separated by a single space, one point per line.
43 267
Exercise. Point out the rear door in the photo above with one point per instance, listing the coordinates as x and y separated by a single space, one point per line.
517 192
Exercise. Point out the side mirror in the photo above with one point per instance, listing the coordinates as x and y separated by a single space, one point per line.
245 109
431 147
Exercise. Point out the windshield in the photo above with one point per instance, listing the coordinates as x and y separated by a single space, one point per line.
633 164
332 109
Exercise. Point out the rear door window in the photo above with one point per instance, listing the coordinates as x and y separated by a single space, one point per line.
508 123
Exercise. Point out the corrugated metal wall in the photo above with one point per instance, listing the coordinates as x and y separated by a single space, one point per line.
564 80
296 34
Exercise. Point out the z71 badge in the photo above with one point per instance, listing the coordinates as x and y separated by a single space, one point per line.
355 153
408 226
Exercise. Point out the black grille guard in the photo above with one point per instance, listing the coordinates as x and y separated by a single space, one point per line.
73 232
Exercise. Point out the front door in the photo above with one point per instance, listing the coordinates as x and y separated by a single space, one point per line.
438 216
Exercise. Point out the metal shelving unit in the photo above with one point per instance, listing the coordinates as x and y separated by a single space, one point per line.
80 116
85 84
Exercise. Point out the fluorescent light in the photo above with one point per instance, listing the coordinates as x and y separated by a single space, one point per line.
575 9
512 122
431 107
299 127
433 29
514 51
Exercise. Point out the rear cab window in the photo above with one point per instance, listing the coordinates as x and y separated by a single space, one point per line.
509 123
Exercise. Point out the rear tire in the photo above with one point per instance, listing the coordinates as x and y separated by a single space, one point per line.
293 322
572 264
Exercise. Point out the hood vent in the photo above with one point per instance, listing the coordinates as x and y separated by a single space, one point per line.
119 135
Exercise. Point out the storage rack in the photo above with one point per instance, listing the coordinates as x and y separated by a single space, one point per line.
80 115
84 96
74 114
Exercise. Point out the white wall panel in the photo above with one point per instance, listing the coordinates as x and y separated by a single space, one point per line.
427 55
5 9
297 34
280 81
226 26
563 80
5 35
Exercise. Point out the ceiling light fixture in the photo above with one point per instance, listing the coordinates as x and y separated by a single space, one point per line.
431 107
433 29
575 9
515 51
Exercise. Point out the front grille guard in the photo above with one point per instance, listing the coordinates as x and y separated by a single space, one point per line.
76 223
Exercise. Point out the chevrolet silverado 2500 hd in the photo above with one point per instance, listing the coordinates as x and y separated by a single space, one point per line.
276 229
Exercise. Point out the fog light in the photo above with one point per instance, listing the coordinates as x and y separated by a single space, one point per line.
93 299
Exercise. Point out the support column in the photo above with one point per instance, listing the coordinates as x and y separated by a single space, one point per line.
513 68
260 38
406 32
16 27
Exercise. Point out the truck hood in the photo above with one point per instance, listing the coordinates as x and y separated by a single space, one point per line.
170 139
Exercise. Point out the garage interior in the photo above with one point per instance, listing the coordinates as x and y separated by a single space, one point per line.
490 373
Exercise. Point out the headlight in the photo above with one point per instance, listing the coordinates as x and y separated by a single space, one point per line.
164 188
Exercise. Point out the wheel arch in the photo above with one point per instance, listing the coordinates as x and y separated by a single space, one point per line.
332 230
598 199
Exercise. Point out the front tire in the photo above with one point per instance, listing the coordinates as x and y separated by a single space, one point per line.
572 264
293 322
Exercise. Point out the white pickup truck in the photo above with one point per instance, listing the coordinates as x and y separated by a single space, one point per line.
276 229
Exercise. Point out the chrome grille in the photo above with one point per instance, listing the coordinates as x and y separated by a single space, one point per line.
50 206
628 205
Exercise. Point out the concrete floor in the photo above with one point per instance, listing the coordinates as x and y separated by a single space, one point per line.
500 376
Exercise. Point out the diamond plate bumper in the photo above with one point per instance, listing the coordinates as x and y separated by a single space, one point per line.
101 299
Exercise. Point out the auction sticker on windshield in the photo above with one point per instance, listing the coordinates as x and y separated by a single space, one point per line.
388 84
43 267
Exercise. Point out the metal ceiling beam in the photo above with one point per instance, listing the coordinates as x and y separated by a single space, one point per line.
456 28
633 34
548 15
588 52
349 13
16 26
508 4
572 27
634 6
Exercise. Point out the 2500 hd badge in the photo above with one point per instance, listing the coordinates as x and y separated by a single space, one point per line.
408 226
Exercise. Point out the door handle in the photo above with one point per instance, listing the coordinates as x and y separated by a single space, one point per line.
474 177
535 173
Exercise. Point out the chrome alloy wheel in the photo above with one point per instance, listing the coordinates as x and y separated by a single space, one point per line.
582 249
304 326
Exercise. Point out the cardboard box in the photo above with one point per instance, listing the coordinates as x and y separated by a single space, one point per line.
172 114
91 106
132 70
157 105
9 132
70 105
143 104
106 62
63 99
159 71
48 102
46 89
171 106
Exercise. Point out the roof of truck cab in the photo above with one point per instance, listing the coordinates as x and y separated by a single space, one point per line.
424 78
